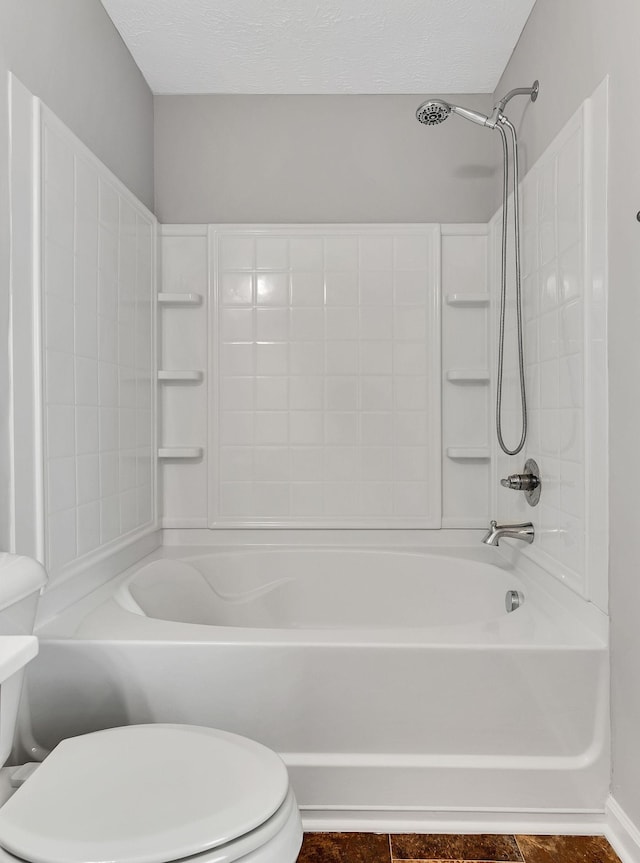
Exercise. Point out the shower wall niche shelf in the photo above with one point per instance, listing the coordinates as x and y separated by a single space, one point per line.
468 299
183 372
470 376
468 452
174 299
466 376
180 375
180 452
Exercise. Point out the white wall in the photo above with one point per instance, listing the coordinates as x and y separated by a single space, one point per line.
69 53
98 370
305 159
183 343
306 383
571 46
564 258
466 375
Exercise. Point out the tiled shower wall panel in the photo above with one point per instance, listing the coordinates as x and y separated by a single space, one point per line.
325 376
565 354
183 344
466 373
98 371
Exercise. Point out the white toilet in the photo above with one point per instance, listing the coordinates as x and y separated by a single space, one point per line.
139 793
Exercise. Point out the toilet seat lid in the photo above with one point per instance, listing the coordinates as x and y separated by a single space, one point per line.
142 794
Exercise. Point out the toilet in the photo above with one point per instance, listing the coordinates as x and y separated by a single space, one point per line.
134 794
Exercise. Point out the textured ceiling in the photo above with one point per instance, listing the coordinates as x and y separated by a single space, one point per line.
320 46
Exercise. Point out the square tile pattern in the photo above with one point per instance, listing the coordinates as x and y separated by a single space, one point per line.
98 361
467 409
385 848
327 371
557 319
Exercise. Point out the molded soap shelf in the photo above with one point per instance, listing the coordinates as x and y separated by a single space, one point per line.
468 299
467 376
468 452
185 375
180 299
180 452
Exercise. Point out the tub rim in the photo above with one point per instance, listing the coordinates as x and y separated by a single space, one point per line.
99 616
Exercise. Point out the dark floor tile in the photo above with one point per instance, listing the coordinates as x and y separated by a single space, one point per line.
566 849
345 848
450 846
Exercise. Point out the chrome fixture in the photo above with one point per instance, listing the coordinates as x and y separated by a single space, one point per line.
435 111
497 532
532 92
432 113
503 286
529 482
513 600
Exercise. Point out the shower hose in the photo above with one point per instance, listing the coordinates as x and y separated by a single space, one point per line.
503 121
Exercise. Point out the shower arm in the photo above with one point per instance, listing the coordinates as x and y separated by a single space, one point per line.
497 113
532 92
498 109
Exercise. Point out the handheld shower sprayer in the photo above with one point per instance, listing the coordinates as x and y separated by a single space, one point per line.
435 111
432 113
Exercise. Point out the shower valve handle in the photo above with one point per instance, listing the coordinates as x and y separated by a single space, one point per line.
521 482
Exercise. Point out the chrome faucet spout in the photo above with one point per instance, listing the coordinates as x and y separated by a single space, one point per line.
496 532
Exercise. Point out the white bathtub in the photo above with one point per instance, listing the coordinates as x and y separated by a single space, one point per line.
323 589
389 681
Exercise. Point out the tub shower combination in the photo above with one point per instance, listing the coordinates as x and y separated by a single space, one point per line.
401 675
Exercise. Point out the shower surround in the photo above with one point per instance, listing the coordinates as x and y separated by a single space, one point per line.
565 296
376 397
323 355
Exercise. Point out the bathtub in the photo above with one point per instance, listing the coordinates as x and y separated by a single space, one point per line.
390 681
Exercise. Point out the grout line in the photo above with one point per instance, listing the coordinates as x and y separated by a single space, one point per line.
519 848
390 847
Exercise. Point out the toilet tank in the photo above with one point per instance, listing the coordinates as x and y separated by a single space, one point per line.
21 581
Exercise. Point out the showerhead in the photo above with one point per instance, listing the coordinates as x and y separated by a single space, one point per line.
435 111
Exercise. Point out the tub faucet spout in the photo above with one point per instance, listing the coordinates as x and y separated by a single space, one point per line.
497 531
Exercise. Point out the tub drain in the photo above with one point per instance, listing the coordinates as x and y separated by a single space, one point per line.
513 600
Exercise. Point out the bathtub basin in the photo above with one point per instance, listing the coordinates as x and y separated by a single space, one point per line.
389 680
321 589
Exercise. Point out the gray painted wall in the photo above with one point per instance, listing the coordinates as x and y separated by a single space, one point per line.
319 159
570 46
69 53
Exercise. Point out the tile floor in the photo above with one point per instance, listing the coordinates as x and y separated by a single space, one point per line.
454 848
